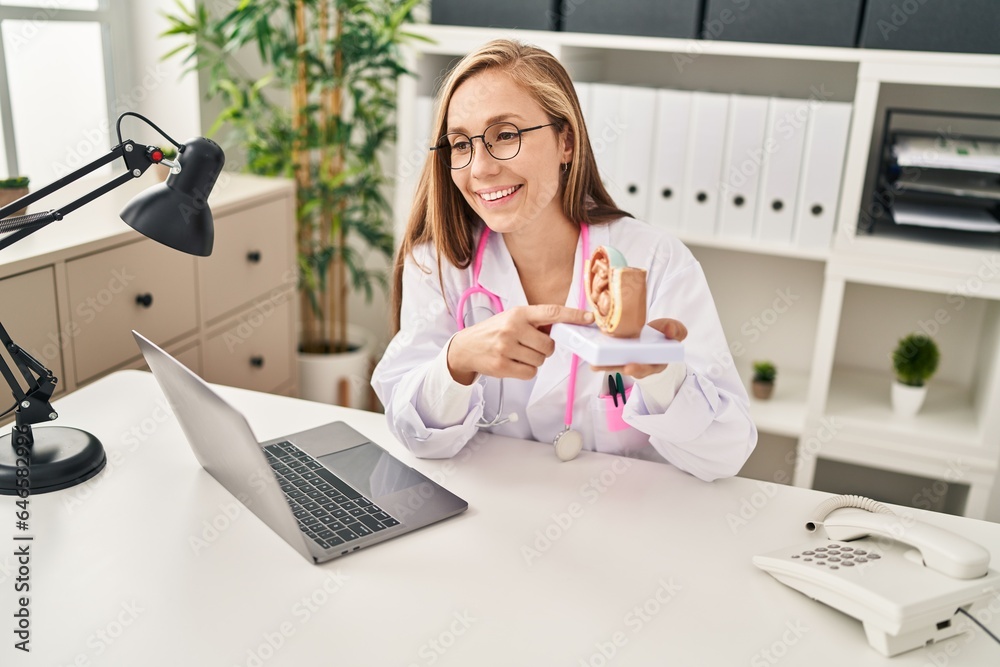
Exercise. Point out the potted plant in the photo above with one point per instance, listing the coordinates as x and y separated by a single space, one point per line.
914 361
12 189
336 63
764 373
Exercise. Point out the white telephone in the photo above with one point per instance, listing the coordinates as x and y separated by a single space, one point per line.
905 581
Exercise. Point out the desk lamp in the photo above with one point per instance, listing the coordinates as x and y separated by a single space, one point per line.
174 213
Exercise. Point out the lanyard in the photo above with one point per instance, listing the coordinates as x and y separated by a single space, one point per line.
582 304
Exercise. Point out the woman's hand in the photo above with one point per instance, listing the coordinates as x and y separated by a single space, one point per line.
511 344
671 329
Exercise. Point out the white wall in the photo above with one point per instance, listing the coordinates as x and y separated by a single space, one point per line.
158 89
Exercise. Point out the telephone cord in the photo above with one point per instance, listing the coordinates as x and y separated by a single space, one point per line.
837 502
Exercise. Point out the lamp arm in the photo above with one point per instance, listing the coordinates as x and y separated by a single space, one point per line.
33 405
138 158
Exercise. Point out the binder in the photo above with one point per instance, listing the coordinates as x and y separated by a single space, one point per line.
742 165
669 144
703 163
605 125
822 169
635 150
779 185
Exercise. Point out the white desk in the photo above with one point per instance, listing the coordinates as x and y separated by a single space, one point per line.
118 577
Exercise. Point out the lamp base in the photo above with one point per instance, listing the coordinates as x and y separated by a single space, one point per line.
61 457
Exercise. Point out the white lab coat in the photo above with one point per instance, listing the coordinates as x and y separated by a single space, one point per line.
706 430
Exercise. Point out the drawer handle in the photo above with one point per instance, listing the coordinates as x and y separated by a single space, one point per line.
257 362
253 256
144 300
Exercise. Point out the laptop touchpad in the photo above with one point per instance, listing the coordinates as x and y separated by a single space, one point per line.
371 470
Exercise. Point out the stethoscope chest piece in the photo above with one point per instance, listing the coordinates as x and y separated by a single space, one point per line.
568 444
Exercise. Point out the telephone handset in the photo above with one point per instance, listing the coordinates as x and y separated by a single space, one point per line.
904 580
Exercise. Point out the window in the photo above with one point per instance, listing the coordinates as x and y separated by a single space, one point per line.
58 84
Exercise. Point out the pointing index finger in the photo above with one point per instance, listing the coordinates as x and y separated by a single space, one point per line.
545 314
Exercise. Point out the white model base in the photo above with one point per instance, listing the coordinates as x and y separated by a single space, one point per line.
598 349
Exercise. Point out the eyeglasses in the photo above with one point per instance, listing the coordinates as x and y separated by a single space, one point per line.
501 140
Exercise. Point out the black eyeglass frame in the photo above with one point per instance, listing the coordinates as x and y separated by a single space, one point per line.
486 145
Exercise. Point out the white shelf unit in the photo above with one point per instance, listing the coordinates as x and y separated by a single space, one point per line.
854 299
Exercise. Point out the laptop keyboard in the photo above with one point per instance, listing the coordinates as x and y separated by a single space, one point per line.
329 510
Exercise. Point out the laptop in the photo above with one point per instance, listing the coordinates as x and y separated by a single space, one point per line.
326 491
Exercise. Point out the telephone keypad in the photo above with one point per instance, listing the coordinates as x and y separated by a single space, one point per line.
835 556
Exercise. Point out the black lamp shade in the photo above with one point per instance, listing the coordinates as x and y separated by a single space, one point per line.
176 213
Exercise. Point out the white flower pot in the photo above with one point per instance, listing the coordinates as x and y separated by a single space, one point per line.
906 400
339 379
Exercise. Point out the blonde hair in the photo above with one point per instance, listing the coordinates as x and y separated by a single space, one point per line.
440 214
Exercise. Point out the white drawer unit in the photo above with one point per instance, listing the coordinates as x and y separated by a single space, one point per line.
143 286
28 312
252 247
255 351
72 292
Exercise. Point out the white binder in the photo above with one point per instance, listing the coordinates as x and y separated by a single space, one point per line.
635 149
779 185
605 124
703 164
670 144
742 165
822 168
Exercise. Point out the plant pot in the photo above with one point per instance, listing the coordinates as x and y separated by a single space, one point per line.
762 390
8 195
906 400
342 378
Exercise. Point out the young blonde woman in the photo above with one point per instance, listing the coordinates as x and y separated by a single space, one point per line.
508 206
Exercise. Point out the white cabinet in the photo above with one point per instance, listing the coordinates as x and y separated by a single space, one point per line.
71 293
144 286
827 310
28 312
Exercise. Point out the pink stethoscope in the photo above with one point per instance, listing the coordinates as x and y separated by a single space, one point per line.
569 442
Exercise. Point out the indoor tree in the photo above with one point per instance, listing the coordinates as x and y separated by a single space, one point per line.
322 114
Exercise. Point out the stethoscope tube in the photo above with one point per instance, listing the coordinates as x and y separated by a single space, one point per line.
565 452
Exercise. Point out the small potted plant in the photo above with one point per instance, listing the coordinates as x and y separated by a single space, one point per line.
12 189
914 361
169 153
764 373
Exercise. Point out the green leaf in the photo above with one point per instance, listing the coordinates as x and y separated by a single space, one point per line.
255 114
